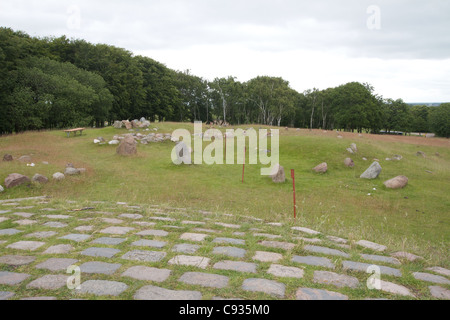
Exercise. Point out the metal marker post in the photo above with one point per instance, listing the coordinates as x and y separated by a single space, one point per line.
293 182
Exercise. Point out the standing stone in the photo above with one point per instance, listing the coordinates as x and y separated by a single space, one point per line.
127 146
354 148
118 124
39 178
373 172
396 183
349 163
16 179
321 168
127 124
277 174
7 158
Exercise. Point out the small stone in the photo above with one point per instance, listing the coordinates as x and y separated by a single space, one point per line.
17 261
338 280
11 278
314 261
147 274
103 288
228 225
39 178
265 235
439 292
6 295
149 243
76 237
57 216
23 214
230 251
59 249
146 256
16 179
430 278
84 228
373 172
112 220
117 230
26 245
205 280
9 232
279 245
56 264
131 216
236 266
229 240
371 245
71 171
193 222
185 248
58 176
337 239
406 256
161 294
306 230
49 282
155 233
442 271
99 267
380 258
56 225
321 168
364 267
199 262
349 163
317 294
109 241
8 158
285 272
100 252
328 251
270 287
39 298
193 237
267 256
25 222
395 289
397 183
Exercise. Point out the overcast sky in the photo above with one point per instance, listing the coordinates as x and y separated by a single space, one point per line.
401 47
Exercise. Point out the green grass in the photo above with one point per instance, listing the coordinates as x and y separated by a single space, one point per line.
414 219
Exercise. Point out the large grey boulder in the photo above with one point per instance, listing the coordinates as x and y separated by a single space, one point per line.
373 172
127 146
16 179
397 183
278 175
118 124
40 178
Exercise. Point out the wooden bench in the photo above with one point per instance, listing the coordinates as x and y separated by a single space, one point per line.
74 131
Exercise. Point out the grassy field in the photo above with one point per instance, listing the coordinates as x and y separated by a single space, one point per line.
414 219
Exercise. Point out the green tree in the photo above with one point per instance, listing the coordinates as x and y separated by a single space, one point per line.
440 120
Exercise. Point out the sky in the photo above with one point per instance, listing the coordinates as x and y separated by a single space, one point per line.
401 47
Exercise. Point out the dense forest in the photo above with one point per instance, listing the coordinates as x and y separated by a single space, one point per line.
53 83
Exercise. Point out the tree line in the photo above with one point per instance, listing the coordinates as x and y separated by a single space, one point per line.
53 83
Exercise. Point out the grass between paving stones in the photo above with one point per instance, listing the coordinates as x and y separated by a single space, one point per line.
233 290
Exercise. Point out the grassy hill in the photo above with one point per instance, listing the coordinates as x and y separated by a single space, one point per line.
416 218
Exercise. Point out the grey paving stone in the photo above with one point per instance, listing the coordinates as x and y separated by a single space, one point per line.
102 288
117 230
58 217
26 245
147 274
439 292
6 295
195 261
270 287
314 261
266 235
59 249
25 222
149 243
41 235
131 216
230 251
56 225
395 289
23 214
338 280
146 256
49 282
337 239
406 256
162 219
3 219
264 256
285 272
236 266
84 228
377 258
154 233
144 223
100 252
371 245
205 279
12 278
9 232
228 225
275 224
16 261
206 230
4 211
198 237
317 294
112 221
229 240
54 264
185 248
39 298
363 267
99 267
76 237
201 223
109 241
430 278
327 251
309 240
306 230
442 271
278 245
161 294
